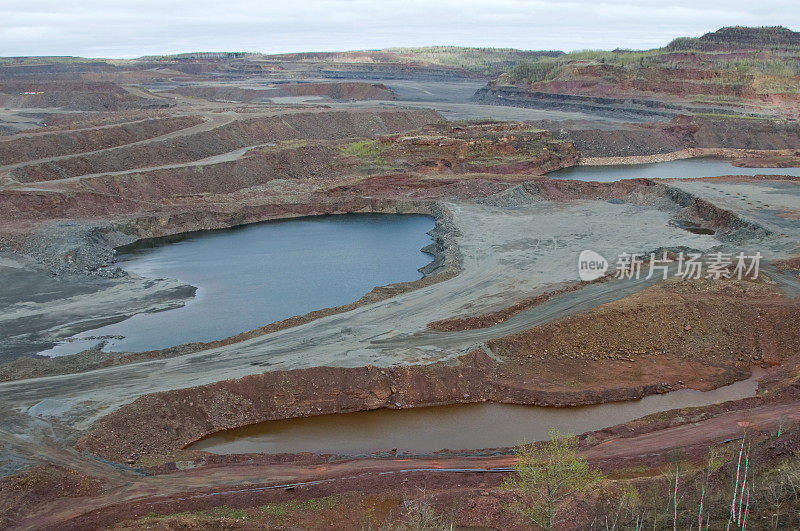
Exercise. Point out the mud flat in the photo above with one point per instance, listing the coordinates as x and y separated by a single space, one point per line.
38 308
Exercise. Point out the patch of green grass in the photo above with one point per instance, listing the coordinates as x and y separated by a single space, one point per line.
549 68
294 506
490 61
370 154
764 70
365 150
536 72
36 60
777 67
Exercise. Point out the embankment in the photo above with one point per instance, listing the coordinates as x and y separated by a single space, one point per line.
620 108
74 95
32 147
341 91
678 138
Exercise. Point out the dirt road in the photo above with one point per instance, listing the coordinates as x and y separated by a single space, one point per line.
212 121
53 186
231 484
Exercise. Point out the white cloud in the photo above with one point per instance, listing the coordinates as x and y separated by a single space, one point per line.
124 28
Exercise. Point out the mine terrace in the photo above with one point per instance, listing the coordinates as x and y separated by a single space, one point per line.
517 162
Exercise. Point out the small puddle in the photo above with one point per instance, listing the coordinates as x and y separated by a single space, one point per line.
461 426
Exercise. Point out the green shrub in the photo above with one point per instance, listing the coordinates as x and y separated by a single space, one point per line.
365 150
536 72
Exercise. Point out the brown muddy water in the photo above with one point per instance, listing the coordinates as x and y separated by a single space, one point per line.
461 426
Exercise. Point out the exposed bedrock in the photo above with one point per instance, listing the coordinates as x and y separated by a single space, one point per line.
638 108
488 147
622 108
727 224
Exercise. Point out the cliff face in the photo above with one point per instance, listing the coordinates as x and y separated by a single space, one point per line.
491 148
626 108
682 132
734 70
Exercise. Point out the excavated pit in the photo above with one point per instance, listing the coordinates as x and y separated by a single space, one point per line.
262 273
429 430
510 326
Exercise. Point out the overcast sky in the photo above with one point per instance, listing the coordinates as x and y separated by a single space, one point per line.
114 28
